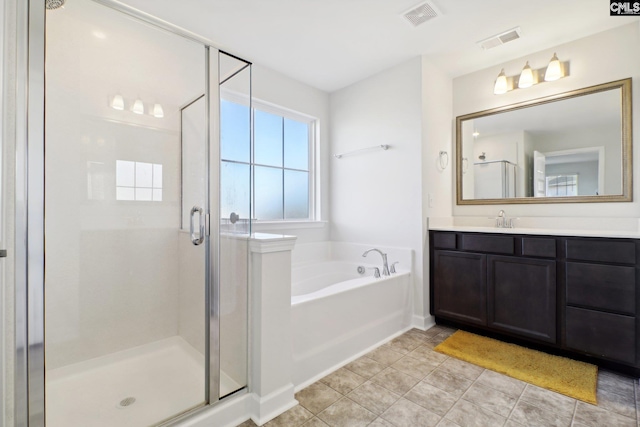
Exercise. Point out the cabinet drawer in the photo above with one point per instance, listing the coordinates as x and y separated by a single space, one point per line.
483 243
601 334
539 247
444 240
618 251
604 287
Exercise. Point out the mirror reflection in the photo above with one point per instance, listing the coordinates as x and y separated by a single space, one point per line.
569 147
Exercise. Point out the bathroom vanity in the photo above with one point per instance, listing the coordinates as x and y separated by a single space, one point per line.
568 293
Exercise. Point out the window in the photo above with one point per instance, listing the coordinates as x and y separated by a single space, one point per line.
562 185
138 181
281 163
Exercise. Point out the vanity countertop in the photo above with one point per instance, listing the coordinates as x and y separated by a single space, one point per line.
539 231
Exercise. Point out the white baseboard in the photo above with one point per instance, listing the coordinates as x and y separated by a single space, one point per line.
422 322
264 409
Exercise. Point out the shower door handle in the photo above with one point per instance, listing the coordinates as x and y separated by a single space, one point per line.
199 238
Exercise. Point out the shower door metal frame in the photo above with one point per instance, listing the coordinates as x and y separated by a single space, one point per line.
29 386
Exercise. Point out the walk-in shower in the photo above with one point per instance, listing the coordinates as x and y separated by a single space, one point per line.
137 278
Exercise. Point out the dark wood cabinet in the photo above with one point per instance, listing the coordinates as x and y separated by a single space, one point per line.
461 278
577 295
522 296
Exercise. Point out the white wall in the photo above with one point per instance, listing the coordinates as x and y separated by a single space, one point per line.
437 183
603 57
376 195
275 88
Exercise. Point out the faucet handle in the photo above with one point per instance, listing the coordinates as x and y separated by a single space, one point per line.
392 268
511 224
376 272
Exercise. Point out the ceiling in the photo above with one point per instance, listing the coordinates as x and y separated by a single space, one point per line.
330 44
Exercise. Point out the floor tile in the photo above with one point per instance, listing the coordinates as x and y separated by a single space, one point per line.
405 343
613 382
511 423
343 380
315 422
461 368
294 417
549 400
501 382
395 381
414 367
317 397
618 403
407 414
380 422
346 413
450 383
592 416
467 414
431 398
365 367
530 415
373 397
490 399
385 355
425 353
447 423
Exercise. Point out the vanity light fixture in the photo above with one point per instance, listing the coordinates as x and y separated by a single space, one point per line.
138 107
529 76
526 77
554 69
117 103
158 111
501 86
476 134
443 159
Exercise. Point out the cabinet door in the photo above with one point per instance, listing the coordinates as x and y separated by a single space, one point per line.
460 286
522 296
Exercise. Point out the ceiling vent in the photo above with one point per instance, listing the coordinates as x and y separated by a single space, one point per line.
500 39
420 14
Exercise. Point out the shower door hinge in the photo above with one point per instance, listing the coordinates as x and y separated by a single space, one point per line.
207 225
3 253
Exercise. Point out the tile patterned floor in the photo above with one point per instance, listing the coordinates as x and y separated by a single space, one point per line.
404 383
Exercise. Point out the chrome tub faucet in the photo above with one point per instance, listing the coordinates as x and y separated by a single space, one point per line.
385 264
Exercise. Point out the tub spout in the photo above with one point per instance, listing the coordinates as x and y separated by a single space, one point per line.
385 264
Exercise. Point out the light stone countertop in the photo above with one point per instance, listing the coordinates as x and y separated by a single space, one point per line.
596 230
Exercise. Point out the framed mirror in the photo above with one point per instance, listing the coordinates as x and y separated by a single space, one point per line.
565 148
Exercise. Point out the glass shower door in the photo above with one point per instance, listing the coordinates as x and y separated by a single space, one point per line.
126 260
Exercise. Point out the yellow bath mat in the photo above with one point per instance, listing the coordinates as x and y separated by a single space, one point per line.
569 377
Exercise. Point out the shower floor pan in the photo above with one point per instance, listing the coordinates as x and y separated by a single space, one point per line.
133 388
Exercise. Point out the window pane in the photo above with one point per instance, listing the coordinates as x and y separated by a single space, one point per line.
296 195
296 145
234 131
143 194
268 139
125 173
157 195
157 176
143 175
234 189
268 193
125 193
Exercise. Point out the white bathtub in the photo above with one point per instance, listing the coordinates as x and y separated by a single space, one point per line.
339 314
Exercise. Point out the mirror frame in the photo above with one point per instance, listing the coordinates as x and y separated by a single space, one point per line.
627 146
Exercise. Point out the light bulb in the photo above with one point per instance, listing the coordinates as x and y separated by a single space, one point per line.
501 84
138 107
117 103
554 70
526 77
158 111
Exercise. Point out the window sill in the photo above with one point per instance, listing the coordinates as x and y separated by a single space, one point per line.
285 225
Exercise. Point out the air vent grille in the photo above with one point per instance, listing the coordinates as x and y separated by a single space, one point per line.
500 39
420 14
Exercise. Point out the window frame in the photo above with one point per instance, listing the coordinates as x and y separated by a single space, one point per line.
313 169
